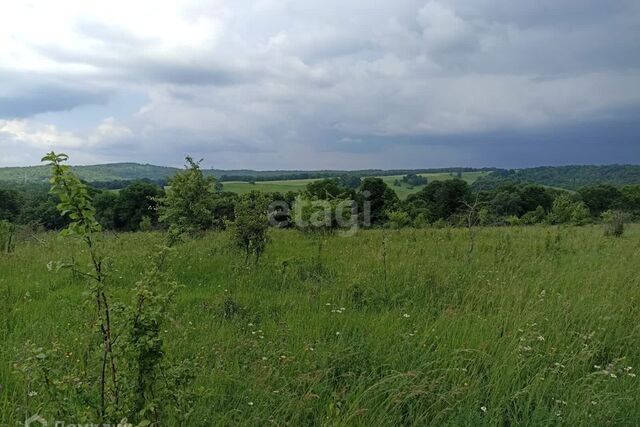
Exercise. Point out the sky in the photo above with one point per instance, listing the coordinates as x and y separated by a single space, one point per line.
332 84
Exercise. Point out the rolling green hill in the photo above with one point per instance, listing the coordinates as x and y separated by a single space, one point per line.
93 173
132 171
565 177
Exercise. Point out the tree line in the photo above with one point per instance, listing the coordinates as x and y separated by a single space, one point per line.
568 177
142 205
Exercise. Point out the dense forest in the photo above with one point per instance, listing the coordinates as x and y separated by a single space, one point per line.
568 177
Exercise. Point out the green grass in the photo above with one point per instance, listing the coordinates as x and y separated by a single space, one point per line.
404 190
299 184
532 327
267 186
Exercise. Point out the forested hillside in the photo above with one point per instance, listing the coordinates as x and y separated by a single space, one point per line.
117 175
115 172
568 177
94 173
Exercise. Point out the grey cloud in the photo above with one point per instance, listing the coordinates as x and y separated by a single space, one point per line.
26 95
292 78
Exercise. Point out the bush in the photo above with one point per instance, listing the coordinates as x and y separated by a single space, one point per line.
614 223
512 221
534 217
7 231
251 224
485 217
398 219
421 221
323 216
145 224
580 214
566 211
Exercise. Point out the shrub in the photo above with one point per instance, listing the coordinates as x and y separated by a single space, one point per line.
7 231
398 219
566 211
323 216
614 223
145 224
485 217
251 224
512 221
421 221
580 214
534 217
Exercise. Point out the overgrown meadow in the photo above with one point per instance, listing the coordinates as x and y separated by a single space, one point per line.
535 326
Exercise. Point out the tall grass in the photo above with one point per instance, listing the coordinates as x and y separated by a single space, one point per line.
539 326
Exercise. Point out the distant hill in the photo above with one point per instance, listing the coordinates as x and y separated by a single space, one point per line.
116 175
94 173
569 177
116 172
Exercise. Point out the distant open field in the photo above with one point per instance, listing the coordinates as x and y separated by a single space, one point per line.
537 326
299 184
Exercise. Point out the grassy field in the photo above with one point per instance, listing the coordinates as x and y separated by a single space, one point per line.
538 326
299 184
403 190
267 186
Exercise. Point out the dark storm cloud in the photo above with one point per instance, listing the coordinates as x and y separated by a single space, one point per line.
26 95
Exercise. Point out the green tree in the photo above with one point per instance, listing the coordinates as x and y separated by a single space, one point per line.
566 211
533 196
614 223
631 194
7 232
536 216
412 179
439 200
134 202
398 219
601 198
105 202
251 225
188 203
128 366
351 182
380 196
9 205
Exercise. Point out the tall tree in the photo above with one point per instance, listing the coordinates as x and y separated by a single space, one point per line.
381 197
189 201
138 200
